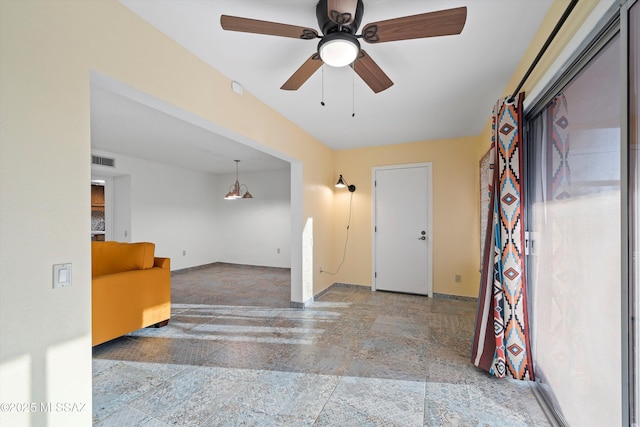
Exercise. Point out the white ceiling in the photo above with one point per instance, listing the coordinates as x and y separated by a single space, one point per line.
123 125
444 87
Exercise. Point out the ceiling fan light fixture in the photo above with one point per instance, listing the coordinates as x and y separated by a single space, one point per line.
338 49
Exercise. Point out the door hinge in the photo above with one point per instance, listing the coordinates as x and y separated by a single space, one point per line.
375 275
375 229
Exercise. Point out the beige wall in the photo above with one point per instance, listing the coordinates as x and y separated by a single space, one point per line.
48 50
456 228
455 181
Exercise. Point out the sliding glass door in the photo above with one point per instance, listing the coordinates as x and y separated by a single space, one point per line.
583 222
574 265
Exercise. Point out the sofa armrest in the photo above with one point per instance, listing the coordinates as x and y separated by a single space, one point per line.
162 262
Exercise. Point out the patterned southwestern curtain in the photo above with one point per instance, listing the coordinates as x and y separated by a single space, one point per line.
501 339
558 143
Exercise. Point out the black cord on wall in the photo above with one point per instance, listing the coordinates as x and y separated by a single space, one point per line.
346 240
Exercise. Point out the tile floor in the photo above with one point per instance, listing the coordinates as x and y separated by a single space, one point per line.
236 354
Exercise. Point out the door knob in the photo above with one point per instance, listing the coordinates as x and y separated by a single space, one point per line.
422 238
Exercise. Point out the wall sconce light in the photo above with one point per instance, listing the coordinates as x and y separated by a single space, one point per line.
343 183
236 190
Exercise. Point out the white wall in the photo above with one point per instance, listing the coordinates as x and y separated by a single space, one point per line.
170 206
182 210
121 216
252 230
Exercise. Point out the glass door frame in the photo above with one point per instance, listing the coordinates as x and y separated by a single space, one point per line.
629 280
615 20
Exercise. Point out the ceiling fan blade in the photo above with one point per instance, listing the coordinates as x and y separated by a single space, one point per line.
246 25
432 24
303 73
342 12
371 73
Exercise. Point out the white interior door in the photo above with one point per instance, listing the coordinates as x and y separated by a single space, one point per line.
402 229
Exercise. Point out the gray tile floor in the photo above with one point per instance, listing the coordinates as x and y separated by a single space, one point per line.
235 354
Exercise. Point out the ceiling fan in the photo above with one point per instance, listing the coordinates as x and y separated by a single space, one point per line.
339 21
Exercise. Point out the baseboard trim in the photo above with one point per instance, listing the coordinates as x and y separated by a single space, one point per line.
353 286
194 268
368 288
230 264
454 297
213 264
302 305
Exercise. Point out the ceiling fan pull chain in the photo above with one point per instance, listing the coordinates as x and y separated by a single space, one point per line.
322 101
353 92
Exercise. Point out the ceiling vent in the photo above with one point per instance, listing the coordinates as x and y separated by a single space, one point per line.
103 161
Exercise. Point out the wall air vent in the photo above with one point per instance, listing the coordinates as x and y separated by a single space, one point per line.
103 161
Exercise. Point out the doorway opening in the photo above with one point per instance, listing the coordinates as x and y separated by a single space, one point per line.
167 127
97 210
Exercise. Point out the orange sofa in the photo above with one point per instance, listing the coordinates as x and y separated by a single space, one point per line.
131 289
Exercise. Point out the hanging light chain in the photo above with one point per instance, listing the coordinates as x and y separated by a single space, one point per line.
322 100
353 92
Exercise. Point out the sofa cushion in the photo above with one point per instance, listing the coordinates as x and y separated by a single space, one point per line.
116 257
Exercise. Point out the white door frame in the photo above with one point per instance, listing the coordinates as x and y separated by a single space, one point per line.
429 166
108 204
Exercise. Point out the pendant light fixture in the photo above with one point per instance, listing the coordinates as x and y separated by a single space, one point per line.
236 190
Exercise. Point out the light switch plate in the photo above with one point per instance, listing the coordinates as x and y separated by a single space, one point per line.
61 275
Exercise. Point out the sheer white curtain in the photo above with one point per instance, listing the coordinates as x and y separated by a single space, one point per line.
574 267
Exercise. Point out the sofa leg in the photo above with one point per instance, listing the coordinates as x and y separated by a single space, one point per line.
161 324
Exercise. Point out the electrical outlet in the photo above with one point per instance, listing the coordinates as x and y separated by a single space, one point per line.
458 278
184 252
278 250
320 269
